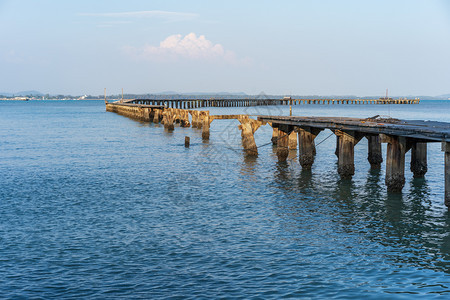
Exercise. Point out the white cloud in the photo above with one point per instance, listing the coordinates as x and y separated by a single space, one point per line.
191 47
170 16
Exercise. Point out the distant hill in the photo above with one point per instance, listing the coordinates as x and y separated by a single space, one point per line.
201 93
23 93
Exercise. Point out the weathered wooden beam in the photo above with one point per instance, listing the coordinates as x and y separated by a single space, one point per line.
395 163
418 164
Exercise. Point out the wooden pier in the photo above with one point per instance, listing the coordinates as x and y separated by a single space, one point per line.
246 102
290 133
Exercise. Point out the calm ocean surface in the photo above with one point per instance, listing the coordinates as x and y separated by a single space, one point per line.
96 205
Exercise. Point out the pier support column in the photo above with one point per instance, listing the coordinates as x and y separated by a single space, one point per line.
375 156
346 159
293 140
395 163
205 127
306 136
185 119
168 120
446 149
248 127
418 164
156 115
336 152
274 135
283 141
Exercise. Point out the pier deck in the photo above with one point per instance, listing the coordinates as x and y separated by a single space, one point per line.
188 103
425 131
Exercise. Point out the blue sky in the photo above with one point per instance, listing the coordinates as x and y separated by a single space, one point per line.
280 47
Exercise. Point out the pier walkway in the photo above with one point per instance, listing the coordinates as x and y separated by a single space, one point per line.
292 133
246 102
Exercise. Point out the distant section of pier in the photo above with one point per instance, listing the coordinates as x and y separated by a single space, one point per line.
188 103
294 132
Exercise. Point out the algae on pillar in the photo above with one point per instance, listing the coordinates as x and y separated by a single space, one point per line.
306 147
283 141
395 163
418 164
375 156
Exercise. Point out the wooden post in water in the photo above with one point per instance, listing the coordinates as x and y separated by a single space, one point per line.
187 141
446 149
395 163
418 164
306 136
375 156
283 141
346 161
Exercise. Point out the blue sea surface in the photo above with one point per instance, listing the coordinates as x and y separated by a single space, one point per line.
96 205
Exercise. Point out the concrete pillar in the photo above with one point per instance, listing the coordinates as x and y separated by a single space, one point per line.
184 119
395 163
205 127
248 140
293 140
419 160
346 158
156 116
336 152
446 149
375 156
199 119
283 142
168 120
306 136
275 135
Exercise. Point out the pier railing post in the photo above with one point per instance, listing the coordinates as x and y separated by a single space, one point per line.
306 136
418 164
395 163
375 156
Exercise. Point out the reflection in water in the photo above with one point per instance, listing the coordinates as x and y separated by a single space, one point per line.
397 221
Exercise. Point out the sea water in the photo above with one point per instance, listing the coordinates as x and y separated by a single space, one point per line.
96 205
